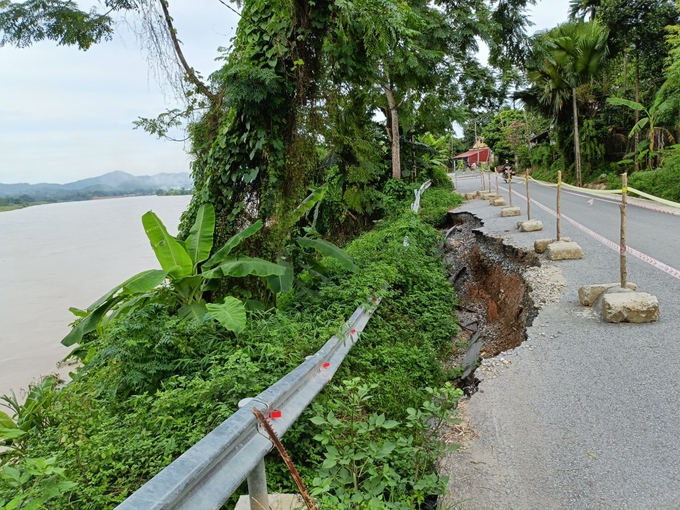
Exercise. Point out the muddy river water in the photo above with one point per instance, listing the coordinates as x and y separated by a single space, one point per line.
60 255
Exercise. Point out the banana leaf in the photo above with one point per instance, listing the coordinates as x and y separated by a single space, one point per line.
618 101
90 322
329 250
281 282
170 253
244 266
200 240
308 203
141 282
232 243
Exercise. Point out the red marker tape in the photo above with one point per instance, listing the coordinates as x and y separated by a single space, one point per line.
353 331
275 414
327 364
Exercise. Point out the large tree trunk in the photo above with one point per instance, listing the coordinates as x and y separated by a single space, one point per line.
394 117
577 141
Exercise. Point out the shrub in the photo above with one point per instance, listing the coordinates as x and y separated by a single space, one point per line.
154 384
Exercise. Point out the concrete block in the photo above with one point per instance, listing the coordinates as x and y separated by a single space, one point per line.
510 211
588 294
497 201
541 245
563 250
636 307
531 226
470 196
276 502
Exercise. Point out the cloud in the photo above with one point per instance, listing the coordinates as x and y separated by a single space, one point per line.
66 114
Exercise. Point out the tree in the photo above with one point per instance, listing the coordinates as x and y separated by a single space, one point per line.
567 57
638 27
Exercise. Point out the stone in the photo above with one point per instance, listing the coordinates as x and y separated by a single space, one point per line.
497 201
635 307
588 294
470 196
531 226
540 245
563 250
510 211
276 502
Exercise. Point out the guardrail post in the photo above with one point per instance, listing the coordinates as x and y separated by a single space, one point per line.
257 488
257 480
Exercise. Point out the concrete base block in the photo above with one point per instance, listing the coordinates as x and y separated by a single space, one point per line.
510 211
497 201
276 502
562 250
588 294
541 245
636 307
470 196
531 226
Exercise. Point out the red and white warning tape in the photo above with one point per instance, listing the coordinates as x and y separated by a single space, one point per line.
611 244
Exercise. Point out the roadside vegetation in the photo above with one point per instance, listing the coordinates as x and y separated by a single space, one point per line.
601 98
151 383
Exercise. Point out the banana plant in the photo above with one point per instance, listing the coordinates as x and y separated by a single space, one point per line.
299 253
187 272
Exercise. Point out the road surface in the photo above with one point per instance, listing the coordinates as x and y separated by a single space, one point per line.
585 414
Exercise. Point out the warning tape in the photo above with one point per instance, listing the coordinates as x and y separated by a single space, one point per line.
584 192
611 244
669 203
642 206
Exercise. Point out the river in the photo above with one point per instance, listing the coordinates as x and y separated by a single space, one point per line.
60 255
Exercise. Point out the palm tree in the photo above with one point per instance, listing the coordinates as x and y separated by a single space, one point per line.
579 49
579 9
564 59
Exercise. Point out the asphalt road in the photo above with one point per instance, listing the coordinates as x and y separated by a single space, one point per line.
585 414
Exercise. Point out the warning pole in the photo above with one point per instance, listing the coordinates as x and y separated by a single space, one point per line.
624 202
510 190
559 210
526 183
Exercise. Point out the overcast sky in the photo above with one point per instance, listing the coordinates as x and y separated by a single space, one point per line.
66 114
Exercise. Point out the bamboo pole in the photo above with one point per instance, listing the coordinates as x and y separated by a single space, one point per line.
488 178
526 183
497 184
481 175
624 202
510 190
559 211
481 170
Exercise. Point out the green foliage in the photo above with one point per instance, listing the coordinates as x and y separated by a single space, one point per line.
183 276
36 481
153 383
435 205
24 23
664 182
369 463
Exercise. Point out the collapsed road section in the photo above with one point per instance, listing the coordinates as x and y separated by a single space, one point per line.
500 289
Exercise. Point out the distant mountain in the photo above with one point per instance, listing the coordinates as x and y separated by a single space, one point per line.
110 184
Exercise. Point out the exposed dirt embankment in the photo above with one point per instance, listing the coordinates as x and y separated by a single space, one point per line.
495 302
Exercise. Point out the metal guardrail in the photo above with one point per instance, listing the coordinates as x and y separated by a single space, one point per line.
207 474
